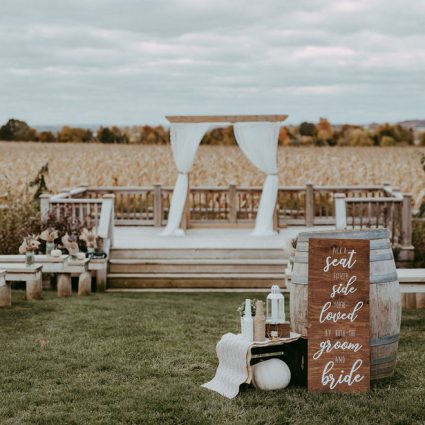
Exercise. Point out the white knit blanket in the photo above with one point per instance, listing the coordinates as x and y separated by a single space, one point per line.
233 352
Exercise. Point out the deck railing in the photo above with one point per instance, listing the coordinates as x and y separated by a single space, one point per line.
368 206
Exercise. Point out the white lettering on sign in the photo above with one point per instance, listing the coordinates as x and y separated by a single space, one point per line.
338 346
349 378
336 316
346 263
344 289
328 346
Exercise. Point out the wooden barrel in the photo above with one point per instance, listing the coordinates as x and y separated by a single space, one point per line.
384 294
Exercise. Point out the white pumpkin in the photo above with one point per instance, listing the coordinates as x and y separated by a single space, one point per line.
56 253
273 374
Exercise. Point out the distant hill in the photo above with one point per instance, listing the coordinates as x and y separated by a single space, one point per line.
415 124
58 127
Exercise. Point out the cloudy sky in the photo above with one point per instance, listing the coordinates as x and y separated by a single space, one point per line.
134 61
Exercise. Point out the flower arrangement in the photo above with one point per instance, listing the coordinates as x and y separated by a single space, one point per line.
71 244
241 308
70 231
30 244
90 238
49 236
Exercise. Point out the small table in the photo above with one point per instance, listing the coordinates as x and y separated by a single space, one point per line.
29 274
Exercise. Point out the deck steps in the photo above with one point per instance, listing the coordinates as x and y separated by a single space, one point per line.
195 268
190 266
228 280
204 253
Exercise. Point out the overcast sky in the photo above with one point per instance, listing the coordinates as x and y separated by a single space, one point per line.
134 61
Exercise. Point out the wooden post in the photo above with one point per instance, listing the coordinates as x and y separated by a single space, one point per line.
406 220
185 223
388 188
5 292
410 300
309 205
420 300
233 214
64 285
44 206
106 228
276 218
34 287
101 279
157 205
340 211
403 301
84 284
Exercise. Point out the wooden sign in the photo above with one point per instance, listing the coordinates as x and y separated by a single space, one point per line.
338 315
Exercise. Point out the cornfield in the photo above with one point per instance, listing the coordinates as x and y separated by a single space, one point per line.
144 165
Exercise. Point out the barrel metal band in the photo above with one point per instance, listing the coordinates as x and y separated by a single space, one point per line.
386 340
380 278
383 360
374 244
354 234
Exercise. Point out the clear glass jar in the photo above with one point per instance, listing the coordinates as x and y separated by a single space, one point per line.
29 258
50 246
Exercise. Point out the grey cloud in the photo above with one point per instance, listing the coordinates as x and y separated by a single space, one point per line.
131 61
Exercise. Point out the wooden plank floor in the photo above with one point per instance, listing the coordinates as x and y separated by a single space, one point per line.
146 237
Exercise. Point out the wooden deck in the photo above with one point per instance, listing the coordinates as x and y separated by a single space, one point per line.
218 250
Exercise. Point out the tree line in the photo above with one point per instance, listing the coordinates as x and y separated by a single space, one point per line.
305 134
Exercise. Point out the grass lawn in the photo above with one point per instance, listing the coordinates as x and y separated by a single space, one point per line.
141 358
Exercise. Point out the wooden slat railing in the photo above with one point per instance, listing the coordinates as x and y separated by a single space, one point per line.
365 206
391 212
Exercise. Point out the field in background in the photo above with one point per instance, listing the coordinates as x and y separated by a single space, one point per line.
142 165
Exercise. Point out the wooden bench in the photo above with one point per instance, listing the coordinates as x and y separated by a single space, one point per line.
64 267
412 287
31 275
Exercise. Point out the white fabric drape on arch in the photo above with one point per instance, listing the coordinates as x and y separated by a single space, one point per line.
185 140
258 141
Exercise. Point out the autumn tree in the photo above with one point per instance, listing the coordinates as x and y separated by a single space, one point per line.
284 137
111 135
324 133
307 129
74 135
356 137
46 137
398 133
17 130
